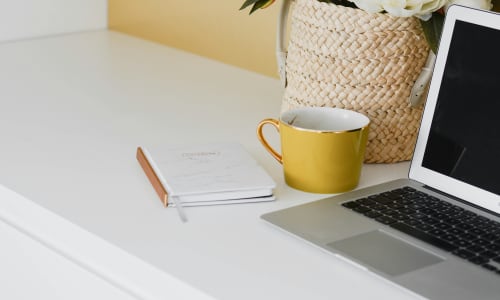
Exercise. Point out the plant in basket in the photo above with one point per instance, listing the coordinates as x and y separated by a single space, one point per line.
370 56
430 12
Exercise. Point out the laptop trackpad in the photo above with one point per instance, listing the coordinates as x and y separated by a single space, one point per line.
385 253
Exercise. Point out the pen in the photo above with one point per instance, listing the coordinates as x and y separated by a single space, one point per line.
180 209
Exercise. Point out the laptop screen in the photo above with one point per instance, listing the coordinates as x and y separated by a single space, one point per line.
464 137
458 145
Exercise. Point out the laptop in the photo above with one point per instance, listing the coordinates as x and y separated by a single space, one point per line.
437 232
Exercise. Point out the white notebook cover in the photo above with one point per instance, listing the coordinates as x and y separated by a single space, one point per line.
212 172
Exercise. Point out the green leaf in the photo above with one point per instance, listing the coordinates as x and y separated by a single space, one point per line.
248 3
258 5
432 30
496 5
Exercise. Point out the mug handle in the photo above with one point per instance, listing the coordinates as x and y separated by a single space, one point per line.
263 140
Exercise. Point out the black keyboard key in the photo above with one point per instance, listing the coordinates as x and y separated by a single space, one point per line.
350 204
489 228
448 211
406 201
414 196
392 195
395 206
489 236
475 248
424 236
443 226
401 217
426 211
458 208
419 216
479 260
413 222
470 213
483 219
436 232
481 242
476 230
455 231
378 207
433 205
452 221
391 212
416 206
385 220
451 212
361 209
429 220
365 201
462 243
424 227
407 211
464 253
449 237
382 200
372 214
464 226
489 267
488 254
493 247
468 236
440 216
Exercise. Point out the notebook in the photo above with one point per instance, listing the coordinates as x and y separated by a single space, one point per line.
205 174
437 232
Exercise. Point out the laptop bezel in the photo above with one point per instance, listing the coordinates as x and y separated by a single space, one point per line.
451 186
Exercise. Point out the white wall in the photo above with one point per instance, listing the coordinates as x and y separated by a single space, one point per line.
21 19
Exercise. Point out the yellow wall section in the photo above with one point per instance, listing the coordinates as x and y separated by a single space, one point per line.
211 28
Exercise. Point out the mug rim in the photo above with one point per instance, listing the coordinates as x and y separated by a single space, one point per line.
284 123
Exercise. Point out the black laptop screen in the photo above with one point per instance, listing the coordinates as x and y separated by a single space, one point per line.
464 139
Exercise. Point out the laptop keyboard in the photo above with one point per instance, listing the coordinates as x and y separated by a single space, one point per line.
439 223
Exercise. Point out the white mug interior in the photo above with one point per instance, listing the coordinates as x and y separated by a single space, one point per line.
324 119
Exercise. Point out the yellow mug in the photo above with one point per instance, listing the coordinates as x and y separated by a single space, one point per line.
322 148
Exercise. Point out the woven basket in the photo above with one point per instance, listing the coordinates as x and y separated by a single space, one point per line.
348 58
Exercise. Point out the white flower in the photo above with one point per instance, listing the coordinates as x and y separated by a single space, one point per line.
429 7
421 9
481 4
404 8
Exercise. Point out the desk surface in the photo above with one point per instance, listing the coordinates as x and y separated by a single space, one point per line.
74 109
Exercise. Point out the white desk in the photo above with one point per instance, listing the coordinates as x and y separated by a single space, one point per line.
73 110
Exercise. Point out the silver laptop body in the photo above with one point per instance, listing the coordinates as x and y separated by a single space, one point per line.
456 160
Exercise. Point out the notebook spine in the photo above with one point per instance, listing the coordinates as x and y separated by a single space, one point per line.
152 176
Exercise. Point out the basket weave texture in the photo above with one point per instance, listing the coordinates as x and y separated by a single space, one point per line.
348 58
